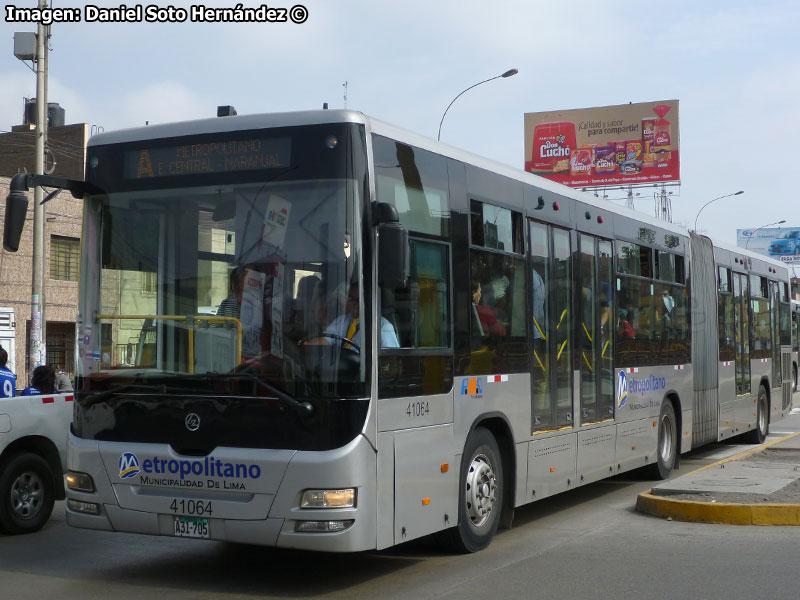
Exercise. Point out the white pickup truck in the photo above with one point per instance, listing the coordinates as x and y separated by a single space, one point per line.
33 439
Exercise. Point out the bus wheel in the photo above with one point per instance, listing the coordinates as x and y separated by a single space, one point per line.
759 434
667 447
26 494
480 497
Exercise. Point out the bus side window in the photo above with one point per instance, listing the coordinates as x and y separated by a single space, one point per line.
420 315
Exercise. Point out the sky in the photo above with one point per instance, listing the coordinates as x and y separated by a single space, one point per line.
733 65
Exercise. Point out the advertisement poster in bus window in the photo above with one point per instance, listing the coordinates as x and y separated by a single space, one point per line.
605 146
780 243
251 313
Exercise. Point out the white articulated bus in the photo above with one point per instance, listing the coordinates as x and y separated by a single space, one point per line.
315 330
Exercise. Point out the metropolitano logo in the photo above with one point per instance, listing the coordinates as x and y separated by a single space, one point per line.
622 389
128 465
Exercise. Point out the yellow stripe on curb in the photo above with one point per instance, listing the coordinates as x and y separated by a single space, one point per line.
723 513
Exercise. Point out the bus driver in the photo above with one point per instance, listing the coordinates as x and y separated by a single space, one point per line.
347 324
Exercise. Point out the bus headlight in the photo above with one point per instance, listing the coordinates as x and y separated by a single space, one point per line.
329 498
80 482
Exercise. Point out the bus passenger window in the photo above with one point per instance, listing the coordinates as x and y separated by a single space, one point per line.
420 314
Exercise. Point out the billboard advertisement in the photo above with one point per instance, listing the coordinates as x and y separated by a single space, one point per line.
604 146
780 243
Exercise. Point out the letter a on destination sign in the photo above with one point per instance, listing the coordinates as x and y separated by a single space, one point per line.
145 165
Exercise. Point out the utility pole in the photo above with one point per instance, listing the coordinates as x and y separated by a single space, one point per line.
38 355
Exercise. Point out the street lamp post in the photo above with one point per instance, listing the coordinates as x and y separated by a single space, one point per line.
508 73
747 245
714 200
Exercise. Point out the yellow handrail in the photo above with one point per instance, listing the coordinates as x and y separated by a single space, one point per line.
588 335
538 360
192 318
535 322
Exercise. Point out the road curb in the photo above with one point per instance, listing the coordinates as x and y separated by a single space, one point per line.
721 513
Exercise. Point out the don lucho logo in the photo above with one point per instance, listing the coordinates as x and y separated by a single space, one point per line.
128 465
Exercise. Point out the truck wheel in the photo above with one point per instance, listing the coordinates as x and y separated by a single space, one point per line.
480 497
667 445
26 494
759 434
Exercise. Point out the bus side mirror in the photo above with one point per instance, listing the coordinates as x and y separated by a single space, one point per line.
393 255
16 211
17 201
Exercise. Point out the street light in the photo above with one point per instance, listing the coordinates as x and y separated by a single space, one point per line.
714 200
747 245
508 73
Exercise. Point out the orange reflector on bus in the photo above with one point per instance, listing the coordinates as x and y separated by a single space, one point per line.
655 423
426 501
633 447
552 469
445 467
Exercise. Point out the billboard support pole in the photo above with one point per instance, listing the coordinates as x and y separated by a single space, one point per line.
664 206
629 201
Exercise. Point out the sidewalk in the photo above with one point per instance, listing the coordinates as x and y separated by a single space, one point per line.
760 486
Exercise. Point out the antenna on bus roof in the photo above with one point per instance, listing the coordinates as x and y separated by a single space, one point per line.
324 106
226 111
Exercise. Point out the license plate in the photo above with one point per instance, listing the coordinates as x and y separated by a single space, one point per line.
192 527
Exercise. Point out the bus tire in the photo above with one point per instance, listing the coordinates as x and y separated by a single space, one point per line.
480 496
667 444
759 434
27 493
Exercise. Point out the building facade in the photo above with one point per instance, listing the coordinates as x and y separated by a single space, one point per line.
64 216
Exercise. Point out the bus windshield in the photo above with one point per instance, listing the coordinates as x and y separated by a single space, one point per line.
225 283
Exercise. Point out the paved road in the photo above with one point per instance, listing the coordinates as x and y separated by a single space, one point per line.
590 543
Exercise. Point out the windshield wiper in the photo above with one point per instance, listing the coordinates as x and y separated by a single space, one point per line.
131 387
304 409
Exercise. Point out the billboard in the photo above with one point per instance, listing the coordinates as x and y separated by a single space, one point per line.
780 243
604 146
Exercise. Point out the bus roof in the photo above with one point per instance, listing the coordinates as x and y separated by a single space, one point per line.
319 117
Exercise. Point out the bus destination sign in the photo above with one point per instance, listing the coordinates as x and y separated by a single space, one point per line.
208 157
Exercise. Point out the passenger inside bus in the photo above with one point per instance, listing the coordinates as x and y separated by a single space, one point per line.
624 328
666 313
487 323
230 306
